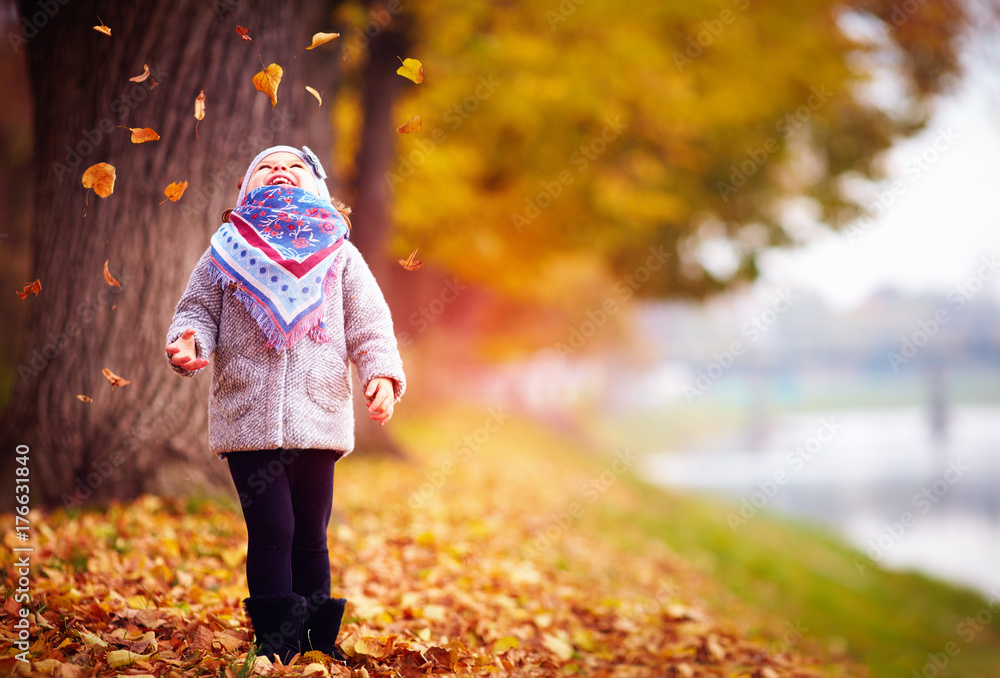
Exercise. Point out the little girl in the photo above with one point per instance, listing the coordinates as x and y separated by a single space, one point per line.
281 301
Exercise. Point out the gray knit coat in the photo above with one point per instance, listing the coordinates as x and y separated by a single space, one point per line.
299 398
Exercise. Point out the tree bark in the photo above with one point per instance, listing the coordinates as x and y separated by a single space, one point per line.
149 436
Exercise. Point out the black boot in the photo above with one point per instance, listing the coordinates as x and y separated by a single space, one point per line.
319 632
277 624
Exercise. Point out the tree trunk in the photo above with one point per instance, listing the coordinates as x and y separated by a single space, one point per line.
149 436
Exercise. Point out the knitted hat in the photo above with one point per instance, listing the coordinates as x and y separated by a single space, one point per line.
307 156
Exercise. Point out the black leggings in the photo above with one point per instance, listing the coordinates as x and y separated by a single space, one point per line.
286 497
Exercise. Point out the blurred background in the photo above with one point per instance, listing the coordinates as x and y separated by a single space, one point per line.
756 242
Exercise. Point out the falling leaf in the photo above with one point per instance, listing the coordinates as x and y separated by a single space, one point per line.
267 81
174 191
320 39
243 32
84 399
412 70
409 264
102 28
114 378
108 278
141 135
142 76
199 111
35 287
100 177
411 125
315 94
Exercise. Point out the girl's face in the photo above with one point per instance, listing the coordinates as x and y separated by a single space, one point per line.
284 169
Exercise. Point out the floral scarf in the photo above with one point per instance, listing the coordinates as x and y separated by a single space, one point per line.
277 254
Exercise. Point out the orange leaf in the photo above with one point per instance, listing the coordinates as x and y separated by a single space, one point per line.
409 264
315 94
102 28
141 135
35 287
108 278
114 378
199 111
267 81
142 76
174 191
84 399
100 177
243 32
411 125
411 70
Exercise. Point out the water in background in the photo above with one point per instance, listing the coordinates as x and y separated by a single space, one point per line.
911 487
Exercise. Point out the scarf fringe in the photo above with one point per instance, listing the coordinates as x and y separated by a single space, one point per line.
313 324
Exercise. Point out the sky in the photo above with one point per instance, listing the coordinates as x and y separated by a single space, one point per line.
938 224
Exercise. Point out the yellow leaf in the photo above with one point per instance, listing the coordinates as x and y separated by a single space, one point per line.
370 646
102 28
322 39
92 639
108 278
267 81
315 669
233 557
315 94
412 70
141 135
558 646
84 399
139 602
120 658
199 111
411 125
100 177
506 643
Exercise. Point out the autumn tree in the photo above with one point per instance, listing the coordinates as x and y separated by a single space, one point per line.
149 435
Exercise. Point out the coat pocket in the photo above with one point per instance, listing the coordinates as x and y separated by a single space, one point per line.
329 385
240 384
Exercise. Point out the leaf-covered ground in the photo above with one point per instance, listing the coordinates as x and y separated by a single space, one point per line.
474 558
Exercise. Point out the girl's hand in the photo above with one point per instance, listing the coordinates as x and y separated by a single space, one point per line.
183 353
380 397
